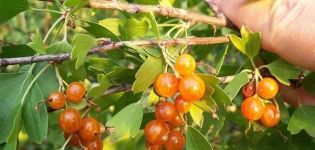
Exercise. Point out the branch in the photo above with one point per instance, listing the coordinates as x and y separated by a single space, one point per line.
164 11
113 46
128 87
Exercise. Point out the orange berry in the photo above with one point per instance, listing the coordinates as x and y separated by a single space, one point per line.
166 84
182 105
175 141
191 87
155 132
70 120
90 129
271 116
252 108
75 92
268 88
165 111
56 100
185 65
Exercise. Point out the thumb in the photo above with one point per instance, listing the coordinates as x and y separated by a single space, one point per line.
255 14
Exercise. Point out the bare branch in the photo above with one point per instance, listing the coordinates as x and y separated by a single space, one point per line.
113 46
164 11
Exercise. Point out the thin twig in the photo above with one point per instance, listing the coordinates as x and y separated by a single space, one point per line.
118 89
164 11
113 46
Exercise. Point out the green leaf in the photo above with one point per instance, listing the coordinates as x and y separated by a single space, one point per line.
249 44
35 122
196 114
59 47
284 113
221 56
38 45
209 79
308 83
21 50
82 44
10 8
152 99
23 95
133 27
122 75
112 24
303 119
236 84
196 141
207 103
103 84
126 121
220 96
147 73
75 3
10 109
154 25
283 71
100 31
213 125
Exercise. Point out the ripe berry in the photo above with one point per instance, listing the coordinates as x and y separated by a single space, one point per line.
75 139
70 120
252 108
95 144
175 141
165 111
90 129
153 147
249 90
191 87
182 105
166 84
185 64
177 121
56 100
155 132
271 116
75 92
268 88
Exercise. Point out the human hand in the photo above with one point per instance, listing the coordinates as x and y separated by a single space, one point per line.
287 26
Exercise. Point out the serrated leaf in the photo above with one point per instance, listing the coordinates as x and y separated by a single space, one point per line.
103 84
303 119
196 114
59 47
308 83
37 43
249 44
133 27
82 44
209 79
196 141
283 71
147 73
100 31
236 84
10 8
126 121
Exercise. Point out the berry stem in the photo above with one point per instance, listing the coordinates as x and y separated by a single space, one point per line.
59 78
52 27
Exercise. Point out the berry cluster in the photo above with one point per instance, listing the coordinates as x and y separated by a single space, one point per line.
253 107
165 130
81 132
